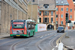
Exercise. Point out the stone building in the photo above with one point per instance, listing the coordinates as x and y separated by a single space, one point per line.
12 10
44 11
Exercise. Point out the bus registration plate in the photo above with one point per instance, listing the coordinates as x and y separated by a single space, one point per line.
17 35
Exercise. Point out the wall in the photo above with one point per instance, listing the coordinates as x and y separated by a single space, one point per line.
59 12
9 13
32 9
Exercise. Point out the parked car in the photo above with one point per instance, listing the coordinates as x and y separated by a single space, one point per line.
60 29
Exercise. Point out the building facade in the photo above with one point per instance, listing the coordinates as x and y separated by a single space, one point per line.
46 11
64 12
12 10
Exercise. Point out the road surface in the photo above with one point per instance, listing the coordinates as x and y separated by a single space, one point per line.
41 41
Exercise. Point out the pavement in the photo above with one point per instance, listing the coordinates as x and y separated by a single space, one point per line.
4 36
69 39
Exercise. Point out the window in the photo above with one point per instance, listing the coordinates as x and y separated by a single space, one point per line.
56 1
46 20
51 13
46 5
56 16
61 9
40 20
66 9
56 9
70 16
56 22
33 0
61 16
51 20
73 0
61 22
46 13
70 10
39 12
30 26
61 1
74 23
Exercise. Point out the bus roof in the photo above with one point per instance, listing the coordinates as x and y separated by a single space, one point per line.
30 20
18 20
22 20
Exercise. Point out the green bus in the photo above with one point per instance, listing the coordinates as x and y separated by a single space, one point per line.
22 28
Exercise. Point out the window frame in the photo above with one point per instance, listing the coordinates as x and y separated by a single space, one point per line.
61 9
47 20
61 15
66 9
61 22
39 12
51 13
56 15
51 20
39 20
56 9
70 10
46 13
46 6
33 0
70 16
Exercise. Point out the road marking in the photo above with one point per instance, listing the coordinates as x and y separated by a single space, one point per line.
7 42
41 37
56 46
53 49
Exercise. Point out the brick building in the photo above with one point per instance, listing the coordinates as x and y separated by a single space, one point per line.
11 10
64 11
45 11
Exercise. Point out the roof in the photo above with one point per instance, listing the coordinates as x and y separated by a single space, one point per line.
62 2
40 3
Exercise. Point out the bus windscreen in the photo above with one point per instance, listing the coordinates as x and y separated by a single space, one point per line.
18 25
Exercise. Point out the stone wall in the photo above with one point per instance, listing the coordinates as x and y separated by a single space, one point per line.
8 13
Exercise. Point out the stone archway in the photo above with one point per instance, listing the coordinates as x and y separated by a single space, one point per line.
50 27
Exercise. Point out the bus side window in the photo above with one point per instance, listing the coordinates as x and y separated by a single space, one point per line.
32 27
28 26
